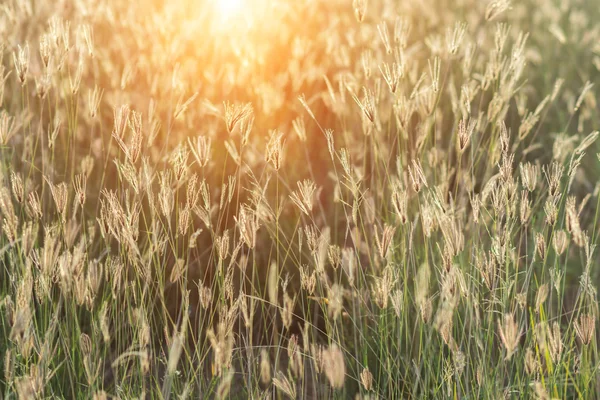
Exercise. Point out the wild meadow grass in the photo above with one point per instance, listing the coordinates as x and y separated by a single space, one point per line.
364 199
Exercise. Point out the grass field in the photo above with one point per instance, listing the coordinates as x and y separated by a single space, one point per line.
311 199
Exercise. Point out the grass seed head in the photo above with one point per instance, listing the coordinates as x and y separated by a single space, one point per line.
334 366
366 378
282 383
509 334
585 328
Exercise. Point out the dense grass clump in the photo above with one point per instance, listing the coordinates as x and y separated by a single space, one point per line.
299 199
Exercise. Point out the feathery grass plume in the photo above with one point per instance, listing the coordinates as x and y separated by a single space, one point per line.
475 201
317 352
282 383
587 142
296 362
308 281
205 295
45 49
222 345
572 222
541 296
449 299
299 127
334 255
10 221
397 299
247 311
287 311
91 371
75 81
366 378
9 367
319 248
248 226
540 245
506 168
305 196
86 31
360 9
455 36
3 78
540 391
553 174
60 195
104 323
184 221
417 176
451 232
265 367
80 185
234 113
42 86
421 290
465 131
100 395
392 75
246 125
225 385
8 127
85 344
556 277
201 149
87 166
529 121
551 210
459 362
532 365
521 299
384 35
335 301
399 201
586 88
434 73
179 161
273 283
21 62
121 120
382 287
551 340
529 175
334 366
586 285
177 271
166 196
274 153
367 104
509 334
28 237
525 208
29 386
181 108
384 243
585 328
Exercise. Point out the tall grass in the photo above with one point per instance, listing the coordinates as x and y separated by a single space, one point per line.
300 199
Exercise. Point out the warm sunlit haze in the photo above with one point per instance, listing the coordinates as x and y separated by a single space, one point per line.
231 7
299 199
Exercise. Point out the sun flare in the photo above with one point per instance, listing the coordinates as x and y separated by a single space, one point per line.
227 8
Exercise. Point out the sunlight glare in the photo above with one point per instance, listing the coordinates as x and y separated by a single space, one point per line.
228 8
